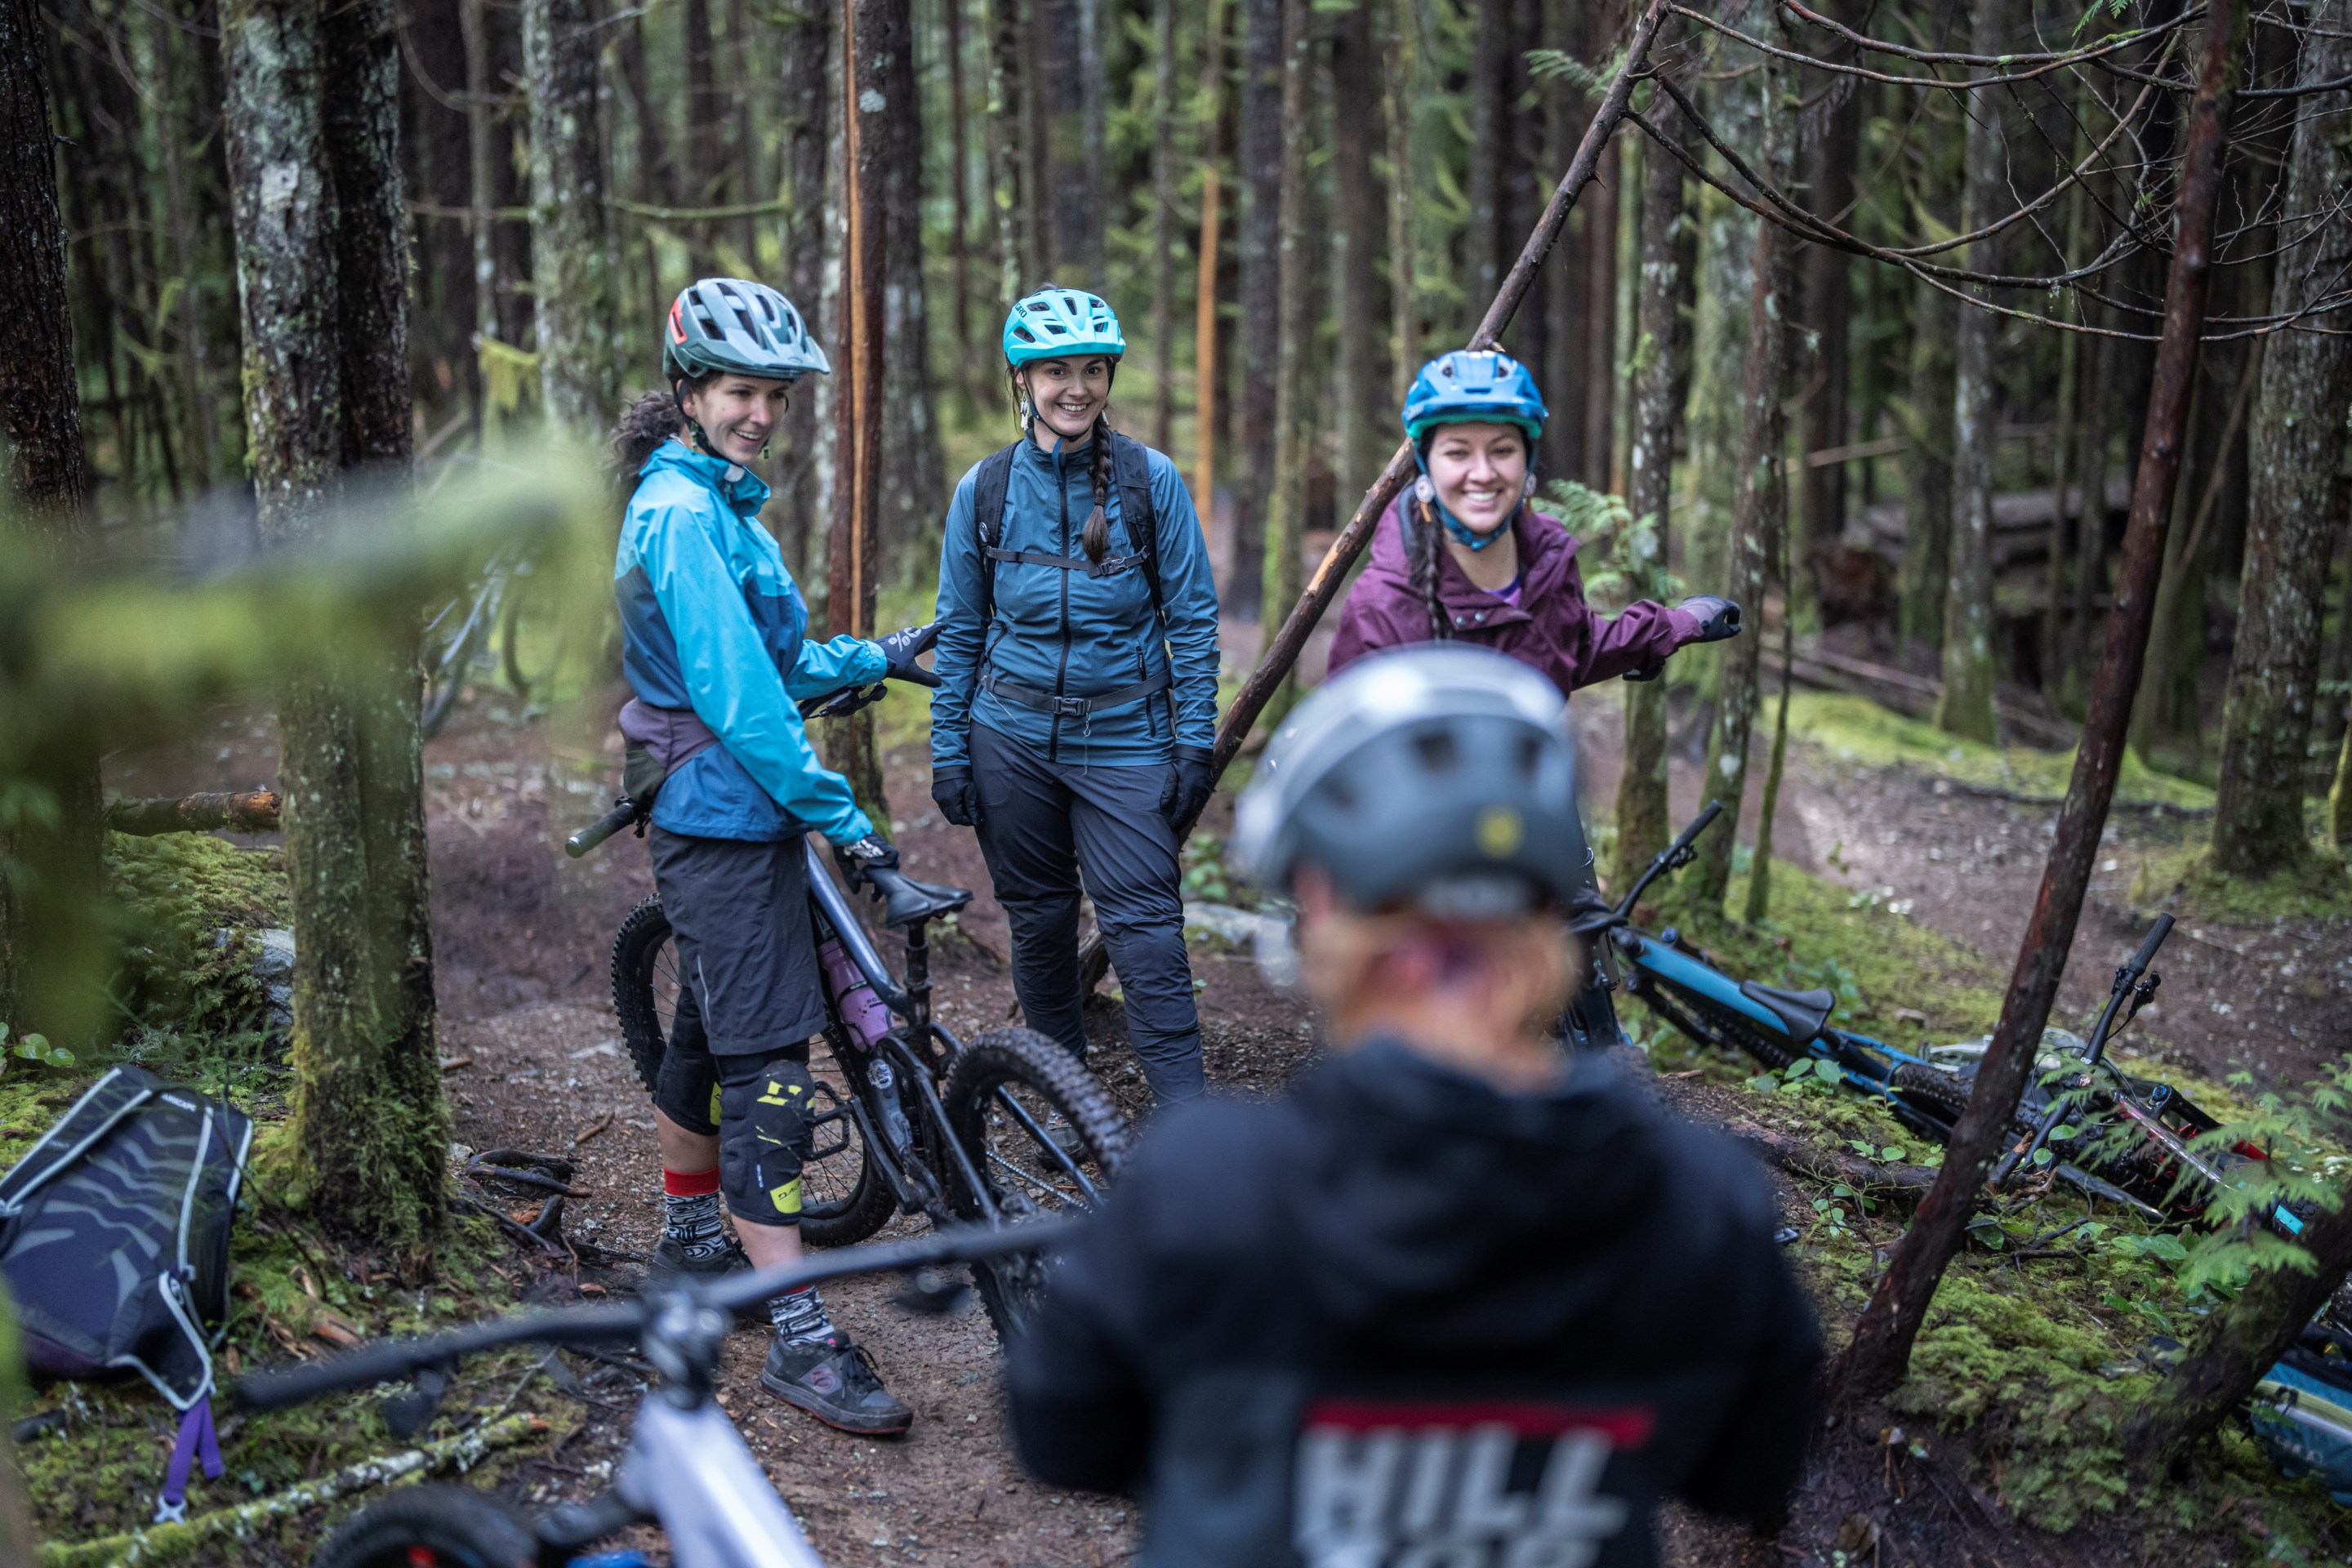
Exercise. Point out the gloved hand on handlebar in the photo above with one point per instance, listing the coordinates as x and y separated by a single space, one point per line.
902 648
1718 619
1189 784
871 853
957 797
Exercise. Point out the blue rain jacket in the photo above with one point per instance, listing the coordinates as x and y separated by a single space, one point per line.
1073 635
710 620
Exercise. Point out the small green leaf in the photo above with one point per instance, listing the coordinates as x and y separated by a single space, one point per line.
2043 1156
2063 1131
1891 1153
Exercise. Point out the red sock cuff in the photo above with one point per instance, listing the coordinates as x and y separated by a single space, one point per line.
690 1184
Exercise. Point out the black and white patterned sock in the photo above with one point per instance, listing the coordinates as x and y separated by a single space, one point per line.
693 1223
798 1317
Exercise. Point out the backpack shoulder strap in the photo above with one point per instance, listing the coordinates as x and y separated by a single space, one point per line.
1130 468
988 490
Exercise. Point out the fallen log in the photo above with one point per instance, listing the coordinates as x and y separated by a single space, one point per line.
240 811
1799 1157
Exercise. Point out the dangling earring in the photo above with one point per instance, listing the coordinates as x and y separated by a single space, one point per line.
1528 486
1424 491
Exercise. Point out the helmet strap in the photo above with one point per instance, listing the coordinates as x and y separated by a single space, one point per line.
1424 491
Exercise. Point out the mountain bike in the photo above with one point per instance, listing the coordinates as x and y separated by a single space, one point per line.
505 621
2134 1146
908 1119
686 1467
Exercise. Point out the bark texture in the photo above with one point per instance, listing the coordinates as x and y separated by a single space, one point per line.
322 258
52 959
1258 239
1362 416
579 373
1966 706
1288 500
2298 442
1927 469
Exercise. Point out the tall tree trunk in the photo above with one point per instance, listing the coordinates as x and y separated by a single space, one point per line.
1559 295
1876 1357
1359 404
653 173
1007 204
1164 222
1928 468
1037 189
960 186
745 80
177 101
482 154
1490 50
2298 444
805 95
579 372
1404 296
1095 130
2091 525
1820 516
1599 326
1760 500
1965 708
54 957
1719 351
312 117
706 183
1208 256
1283 571
891 131
1666 289
1259 240
1073 216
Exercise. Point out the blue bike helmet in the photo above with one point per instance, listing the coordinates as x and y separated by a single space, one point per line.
1474 387
726 326
1057 323
1441 777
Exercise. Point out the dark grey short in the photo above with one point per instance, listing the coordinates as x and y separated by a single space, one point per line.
741 912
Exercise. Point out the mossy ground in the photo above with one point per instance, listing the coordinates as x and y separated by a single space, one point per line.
2038 1345
2184 882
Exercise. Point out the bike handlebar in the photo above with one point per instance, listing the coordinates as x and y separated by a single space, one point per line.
623 815
604 1324
1664 860
2146 953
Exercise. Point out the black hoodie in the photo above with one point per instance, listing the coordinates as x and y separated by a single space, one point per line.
1399 1316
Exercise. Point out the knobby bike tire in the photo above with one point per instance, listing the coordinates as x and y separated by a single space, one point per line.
1711 1025
530 598
1944 1093
869 1203
1010 1288
450 1527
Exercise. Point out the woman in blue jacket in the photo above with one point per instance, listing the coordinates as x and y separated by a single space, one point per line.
714 645
1077 668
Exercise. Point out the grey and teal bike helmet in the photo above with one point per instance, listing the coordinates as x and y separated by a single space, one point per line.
1057 323
1441 777
726 326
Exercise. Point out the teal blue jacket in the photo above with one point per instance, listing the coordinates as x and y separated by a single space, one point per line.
1072 635
710 620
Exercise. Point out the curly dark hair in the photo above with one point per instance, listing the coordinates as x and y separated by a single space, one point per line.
644 424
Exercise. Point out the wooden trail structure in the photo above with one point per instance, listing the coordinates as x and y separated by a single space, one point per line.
1880 1351
1282 650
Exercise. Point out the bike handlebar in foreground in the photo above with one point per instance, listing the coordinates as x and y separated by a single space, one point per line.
624 1321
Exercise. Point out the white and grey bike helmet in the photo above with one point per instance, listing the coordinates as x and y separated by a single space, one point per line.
1441 777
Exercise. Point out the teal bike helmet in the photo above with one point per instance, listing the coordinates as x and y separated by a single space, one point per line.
726 326
1474 387
1057 323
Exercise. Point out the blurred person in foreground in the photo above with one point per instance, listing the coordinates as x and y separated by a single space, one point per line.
1456 1296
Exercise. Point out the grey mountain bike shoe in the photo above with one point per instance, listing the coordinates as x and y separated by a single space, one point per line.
833 1380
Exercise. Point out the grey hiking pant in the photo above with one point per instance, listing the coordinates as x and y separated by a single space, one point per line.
1046 829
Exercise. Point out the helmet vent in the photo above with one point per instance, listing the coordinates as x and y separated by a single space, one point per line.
1437 750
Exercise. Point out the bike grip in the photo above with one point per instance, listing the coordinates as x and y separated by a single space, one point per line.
2157 933
1699 823
361 1368
604 827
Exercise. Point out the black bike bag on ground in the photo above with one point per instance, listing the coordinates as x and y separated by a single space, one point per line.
114 1232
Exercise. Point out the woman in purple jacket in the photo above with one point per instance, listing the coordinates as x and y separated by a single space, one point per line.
1462 555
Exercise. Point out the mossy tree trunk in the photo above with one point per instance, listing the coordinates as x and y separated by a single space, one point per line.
53 956
1361 415
571 264
1759 503
1258 240
912 477
1283 575
2298 442
1966 707
2238 1344
1666 288
313 119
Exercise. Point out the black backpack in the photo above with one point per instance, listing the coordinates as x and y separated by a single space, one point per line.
114 1232
1130 475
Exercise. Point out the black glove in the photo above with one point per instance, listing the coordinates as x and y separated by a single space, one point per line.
958 796
1189 784
871 853
1718 619
1650 671
902 648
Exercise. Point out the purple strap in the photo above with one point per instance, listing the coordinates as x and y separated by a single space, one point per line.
197 1439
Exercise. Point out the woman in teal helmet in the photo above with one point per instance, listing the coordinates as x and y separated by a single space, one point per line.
1461 555
1077 668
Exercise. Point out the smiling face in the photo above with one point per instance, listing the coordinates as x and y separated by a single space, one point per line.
737 412
1067 393
1480 472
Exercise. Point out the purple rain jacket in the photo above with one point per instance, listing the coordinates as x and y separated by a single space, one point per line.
1550 627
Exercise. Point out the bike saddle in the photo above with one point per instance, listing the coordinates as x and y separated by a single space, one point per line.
905 901
1802 1013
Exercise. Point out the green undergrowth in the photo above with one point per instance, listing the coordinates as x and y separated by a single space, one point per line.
2184 882
1858 730
191 909
96 1472
2043 1335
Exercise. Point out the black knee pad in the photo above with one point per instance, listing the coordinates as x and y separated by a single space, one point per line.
686 1089
764 1133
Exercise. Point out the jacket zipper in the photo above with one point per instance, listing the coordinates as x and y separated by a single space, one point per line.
1061 673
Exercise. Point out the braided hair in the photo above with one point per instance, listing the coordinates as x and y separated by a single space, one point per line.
1096 536
1423 543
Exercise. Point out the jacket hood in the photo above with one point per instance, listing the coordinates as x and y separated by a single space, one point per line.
738 487
1570 1171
